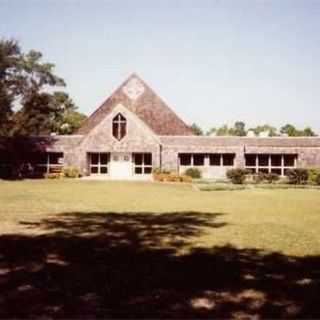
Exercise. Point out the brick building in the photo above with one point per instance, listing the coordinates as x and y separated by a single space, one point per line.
134 131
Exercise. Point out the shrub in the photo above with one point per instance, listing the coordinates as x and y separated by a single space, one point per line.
71 172
185 178
237 176
313 174
271 177
317 180
297 176
194 173
167 176
256 177
54 175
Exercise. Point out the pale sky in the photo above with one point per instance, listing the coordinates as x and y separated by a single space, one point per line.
213 62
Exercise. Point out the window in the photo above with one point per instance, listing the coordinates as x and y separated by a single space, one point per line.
263 160
185 159
215 159
99 163
228 159
289 160
251 160
270 163
198 159
142 163
47 162
276 160
119 126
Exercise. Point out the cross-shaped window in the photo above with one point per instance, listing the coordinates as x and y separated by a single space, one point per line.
119 126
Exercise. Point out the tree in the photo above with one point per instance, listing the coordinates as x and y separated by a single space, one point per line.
308 132
239 129
28 102
223 131
196 130
71 121
289 130
265 128
292 131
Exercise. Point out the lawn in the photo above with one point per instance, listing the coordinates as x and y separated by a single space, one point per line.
125 249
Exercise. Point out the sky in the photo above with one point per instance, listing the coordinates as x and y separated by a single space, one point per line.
213 61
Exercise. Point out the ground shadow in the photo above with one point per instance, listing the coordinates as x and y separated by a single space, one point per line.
142 265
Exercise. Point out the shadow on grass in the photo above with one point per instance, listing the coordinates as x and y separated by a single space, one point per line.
136 265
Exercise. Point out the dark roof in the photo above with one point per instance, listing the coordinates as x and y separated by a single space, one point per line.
148 107
203 141
39 143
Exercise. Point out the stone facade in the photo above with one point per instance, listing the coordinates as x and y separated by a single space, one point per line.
150 135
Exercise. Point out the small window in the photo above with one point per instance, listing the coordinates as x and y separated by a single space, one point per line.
263 160
228 160
250 160
55 158
142 163
276 160
276 171
104 158
198 159
215 159
119 126
185 159
94 158
289 160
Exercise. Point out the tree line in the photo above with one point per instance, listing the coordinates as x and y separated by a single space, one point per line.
239 129
32 101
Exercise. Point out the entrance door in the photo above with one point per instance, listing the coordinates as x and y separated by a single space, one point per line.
120 166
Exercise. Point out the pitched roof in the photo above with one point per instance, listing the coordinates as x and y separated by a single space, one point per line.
139 98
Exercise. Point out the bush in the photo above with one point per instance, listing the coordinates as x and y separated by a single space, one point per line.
298 176
271 177
71 172
313 174
167 176
194 173
237 176
317 180
54 175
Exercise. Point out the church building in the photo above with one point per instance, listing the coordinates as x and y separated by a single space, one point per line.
134 131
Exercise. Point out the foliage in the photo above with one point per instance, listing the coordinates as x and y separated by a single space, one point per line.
167 176
266 177
313 174
237 176
292 131
54 175
265 128
71 172
194 173
317 180
297 176
239 129
28 102
196 130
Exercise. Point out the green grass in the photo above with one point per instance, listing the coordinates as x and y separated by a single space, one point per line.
73 249
286 221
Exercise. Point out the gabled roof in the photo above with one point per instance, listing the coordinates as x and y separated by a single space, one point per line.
140 99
